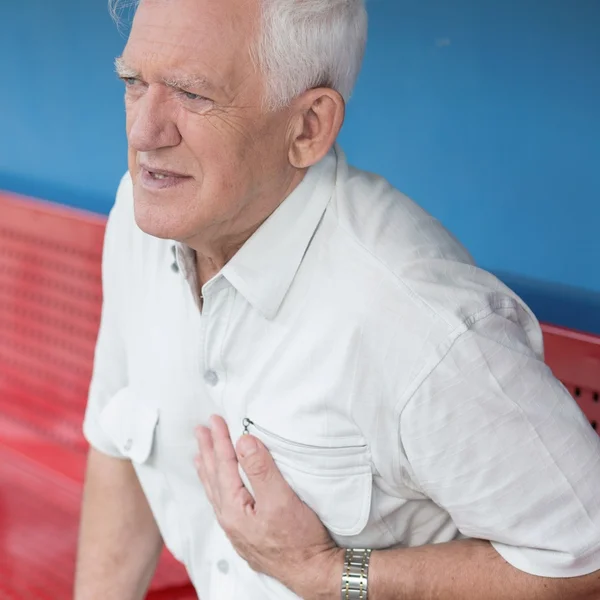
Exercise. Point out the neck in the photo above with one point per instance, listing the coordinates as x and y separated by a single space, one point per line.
212 255
210 260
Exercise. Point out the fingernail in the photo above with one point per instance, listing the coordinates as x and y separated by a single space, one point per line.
247 446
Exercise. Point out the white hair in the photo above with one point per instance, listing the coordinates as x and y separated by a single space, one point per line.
303 44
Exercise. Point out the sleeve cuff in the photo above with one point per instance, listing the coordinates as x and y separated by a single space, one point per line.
98 440
549 563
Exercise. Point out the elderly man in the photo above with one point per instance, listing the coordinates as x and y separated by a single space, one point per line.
302 383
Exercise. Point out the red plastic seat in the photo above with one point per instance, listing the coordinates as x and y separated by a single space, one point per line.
50 300
575 359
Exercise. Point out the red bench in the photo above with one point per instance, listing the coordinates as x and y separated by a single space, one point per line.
50 299
575 359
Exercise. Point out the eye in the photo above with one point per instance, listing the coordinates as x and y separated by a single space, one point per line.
194 98
134 87
194 102
191 96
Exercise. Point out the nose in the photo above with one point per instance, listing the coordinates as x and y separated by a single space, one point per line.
151 123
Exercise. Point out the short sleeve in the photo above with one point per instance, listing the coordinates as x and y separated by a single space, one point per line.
493 438
109 374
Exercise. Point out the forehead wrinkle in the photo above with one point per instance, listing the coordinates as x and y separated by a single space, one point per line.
193 55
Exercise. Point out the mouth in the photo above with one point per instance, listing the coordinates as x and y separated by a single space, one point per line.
161 173
154 178
155 175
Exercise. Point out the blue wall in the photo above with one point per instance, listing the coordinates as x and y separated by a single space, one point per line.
484 111
61 107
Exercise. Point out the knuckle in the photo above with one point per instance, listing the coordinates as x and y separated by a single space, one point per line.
228 521
258 468
225 522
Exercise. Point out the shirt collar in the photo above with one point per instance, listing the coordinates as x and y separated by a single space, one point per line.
264 268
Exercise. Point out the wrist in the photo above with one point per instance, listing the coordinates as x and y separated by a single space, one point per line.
355 578
334 575
322 579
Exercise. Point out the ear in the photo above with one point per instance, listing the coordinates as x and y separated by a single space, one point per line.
317 118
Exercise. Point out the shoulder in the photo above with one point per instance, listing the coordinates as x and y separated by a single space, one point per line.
389 224
396 238
416 283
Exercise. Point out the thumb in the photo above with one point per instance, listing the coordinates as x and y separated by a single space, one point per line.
264 477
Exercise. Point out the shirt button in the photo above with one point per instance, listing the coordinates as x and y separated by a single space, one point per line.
174 266
211 378
128 445
223 566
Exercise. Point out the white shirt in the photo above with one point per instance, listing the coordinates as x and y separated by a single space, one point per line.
401 390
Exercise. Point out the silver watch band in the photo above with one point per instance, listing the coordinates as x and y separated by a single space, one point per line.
355 575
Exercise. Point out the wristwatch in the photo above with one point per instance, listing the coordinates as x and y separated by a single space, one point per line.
355 575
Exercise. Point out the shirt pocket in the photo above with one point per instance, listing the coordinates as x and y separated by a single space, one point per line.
130 425
334 481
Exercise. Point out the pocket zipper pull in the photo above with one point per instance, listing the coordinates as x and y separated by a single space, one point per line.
246 423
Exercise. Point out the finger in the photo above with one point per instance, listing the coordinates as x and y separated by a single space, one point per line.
201 470
266 481
231 486
207 456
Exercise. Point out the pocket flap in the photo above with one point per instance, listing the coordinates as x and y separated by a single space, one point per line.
336 482
342 501
130 424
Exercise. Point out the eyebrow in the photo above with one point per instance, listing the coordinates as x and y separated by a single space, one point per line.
123 70
189 82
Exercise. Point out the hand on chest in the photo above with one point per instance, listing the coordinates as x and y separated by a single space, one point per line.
293 389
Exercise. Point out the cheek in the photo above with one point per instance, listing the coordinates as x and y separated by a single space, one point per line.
221 162
131 152
132 162
219 134
130 111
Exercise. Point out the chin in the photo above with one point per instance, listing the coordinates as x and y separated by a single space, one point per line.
159 218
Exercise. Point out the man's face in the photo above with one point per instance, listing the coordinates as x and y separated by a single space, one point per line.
205 159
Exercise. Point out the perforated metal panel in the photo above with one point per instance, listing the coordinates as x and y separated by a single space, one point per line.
575 359
50 299
50 302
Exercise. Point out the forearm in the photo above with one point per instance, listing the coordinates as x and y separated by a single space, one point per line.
465 570
119 542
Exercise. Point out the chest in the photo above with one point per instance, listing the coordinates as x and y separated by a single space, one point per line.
296 375
302 383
